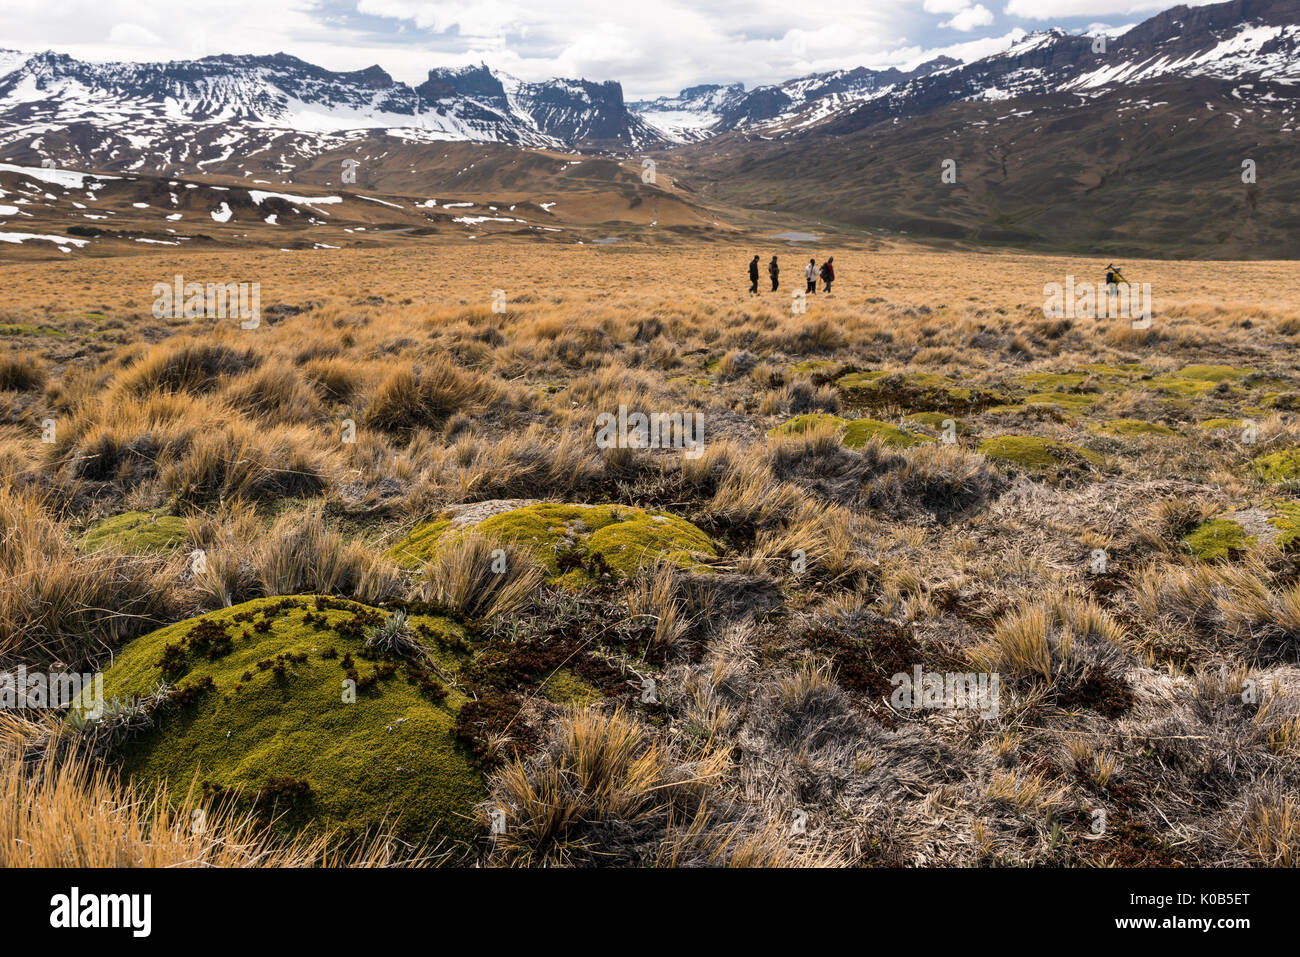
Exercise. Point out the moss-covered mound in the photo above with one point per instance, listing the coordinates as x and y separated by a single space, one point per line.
817 367
1034 452
1214 374
1184 386
1279 468
1273 523
1125 371
856 432
1135 427
925 390
259 712
1286 520
935 420
1213 424
687 381
575 542
1093 377
1077 402
29 329
136 532
1052 381
1217 538
563 686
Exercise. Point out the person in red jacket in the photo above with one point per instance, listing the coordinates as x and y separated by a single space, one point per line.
828 273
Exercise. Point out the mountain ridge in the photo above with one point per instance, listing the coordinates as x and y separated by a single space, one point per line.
188 114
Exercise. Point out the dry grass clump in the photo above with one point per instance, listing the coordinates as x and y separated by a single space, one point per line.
193 366
532 463
818 540
242 461
425 397
275 392
751 497
298 554
1221 609
655 595
123 439
21 373
941 480
798 398
56 605
1060 640
202 453
479 577
944 480
71 812
1269 832
335 379
603 791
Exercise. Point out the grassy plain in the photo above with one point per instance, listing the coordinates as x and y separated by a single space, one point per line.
1107 523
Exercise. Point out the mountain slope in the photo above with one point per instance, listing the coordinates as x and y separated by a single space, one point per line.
192 114
1153 170
1235 42
703 111
1138 147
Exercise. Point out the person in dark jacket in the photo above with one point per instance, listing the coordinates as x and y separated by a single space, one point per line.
828 273
774 271
753 275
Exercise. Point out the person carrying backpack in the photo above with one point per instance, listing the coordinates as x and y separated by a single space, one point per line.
828 273
774 271
753 275
810 274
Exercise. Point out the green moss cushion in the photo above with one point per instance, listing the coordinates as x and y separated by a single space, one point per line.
572 540
1216 539
856 432
1135 427
1279 468
136 532
1034 452
267 713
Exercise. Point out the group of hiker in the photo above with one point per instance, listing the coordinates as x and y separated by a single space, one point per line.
811 273
826 273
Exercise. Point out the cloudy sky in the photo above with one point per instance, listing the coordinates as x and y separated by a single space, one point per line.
654 47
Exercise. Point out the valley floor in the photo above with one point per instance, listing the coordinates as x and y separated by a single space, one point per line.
567 653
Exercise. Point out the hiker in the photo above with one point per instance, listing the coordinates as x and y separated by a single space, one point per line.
1113 278
753 275
828 273
810 274
774 271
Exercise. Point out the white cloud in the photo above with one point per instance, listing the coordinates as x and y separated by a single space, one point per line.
133 35
945 6
970 18
651 48
1054 9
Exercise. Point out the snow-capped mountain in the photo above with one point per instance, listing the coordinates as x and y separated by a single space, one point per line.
196 113
271 115
691 115
1149 141
1242 42
699 112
